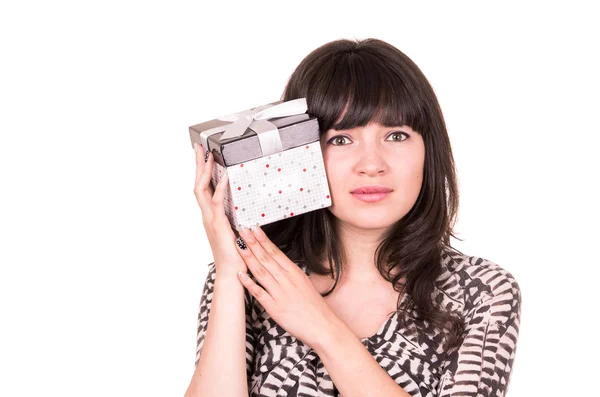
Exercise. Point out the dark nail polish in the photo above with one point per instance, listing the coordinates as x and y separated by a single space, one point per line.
206 156
241 243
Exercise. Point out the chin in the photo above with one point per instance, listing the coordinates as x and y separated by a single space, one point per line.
369 219
373 224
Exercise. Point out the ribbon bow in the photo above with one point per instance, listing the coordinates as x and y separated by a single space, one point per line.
256 119
250 118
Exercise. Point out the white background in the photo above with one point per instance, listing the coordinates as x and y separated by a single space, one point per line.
103 252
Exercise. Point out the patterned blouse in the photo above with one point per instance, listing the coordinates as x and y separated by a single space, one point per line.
486 296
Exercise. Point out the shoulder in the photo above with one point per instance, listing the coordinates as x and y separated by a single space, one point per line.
479 288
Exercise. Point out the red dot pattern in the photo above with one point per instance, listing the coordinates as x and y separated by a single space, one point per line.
260 182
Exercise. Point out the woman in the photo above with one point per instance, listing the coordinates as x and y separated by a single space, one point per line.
366 297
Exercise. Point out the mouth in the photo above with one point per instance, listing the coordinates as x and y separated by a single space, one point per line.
371 197
371 189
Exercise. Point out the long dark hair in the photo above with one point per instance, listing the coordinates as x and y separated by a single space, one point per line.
377 82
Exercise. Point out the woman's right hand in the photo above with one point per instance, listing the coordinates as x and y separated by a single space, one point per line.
218 229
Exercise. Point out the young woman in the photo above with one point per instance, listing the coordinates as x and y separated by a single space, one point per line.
366 297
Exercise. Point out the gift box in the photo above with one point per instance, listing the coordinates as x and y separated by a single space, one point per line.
272 155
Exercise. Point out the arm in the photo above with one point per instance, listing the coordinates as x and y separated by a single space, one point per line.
224 354
482 365
352 368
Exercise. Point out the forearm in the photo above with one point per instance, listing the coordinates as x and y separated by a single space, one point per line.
221 370
352 368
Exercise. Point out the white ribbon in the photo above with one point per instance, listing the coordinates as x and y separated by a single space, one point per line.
241 121
256 120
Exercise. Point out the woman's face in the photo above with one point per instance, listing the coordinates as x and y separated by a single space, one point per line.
373 155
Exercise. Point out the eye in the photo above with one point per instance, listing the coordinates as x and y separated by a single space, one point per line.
396 133
329 142
399 133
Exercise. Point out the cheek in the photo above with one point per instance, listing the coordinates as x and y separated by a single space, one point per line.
414 179
330 168
414 170
337 175
413 164
332 174
410 175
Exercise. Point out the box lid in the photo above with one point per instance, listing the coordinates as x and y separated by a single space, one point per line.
294 131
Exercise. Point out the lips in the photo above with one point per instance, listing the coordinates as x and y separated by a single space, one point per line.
371 190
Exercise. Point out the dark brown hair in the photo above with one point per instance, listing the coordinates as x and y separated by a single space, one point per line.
379 83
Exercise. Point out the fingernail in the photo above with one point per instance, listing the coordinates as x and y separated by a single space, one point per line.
243 275
241 243
206 156
255 229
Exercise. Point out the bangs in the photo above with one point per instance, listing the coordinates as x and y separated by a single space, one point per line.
349 90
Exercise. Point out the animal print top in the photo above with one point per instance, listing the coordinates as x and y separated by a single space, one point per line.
485 295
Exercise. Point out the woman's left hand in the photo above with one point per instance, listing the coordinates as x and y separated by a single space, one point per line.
287 293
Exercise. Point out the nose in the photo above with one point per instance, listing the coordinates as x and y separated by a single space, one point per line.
370 162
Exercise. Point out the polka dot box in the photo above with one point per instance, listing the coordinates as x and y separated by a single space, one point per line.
266 189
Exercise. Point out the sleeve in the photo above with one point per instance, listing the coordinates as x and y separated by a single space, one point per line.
203 313
481 366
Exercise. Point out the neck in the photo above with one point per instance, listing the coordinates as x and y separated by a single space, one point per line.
359 246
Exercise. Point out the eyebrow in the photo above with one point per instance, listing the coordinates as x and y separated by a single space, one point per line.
384 128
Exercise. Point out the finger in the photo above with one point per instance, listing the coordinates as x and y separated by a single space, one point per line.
203 169
259 293
264 268
202 188
260 273
273 250
219 196
199 162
